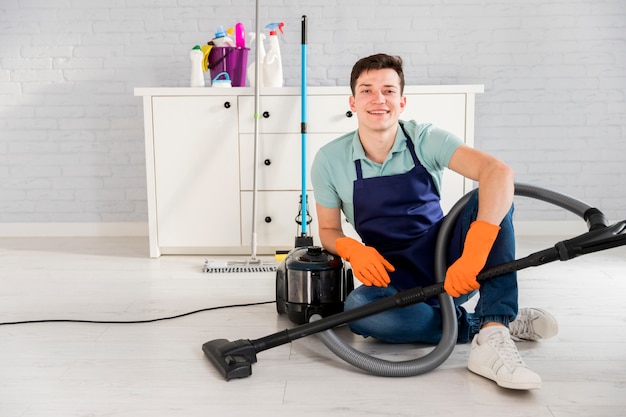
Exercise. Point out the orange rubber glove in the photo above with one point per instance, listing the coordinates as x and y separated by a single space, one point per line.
461 275
368 265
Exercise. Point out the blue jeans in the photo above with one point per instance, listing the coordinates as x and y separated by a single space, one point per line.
421 323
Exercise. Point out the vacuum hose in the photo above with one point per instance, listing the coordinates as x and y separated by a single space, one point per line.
442 351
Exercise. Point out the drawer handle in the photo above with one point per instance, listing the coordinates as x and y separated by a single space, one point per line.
348 113
266 114
268 219
267 162
227 104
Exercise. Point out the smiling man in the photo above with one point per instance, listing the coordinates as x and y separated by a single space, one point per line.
385 177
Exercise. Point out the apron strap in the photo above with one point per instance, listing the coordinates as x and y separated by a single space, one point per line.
359 171
410 145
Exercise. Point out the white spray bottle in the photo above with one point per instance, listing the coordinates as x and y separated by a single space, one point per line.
260 56
272 64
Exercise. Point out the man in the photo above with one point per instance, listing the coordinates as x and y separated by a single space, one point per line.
385 178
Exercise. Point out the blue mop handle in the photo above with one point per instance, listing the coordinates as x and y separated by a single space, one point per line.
303 128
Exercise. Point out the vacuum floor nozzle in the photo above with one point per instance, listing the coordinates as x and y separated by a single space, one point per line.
232 359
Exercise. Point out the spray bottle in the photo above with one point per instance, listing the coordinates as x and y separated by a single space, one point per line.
272 64
260 56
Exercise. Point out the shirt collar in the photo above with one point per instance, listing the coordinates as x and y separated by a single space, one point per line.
399 145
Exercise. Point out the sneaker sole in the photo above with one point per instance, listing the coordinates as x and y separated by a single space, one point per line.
551 326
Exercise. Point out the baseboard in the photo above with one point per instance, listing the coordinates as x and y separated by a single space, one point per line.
73 229
522 228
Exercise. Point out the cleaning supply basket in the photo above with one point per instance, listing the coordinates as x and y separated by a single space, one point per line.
230 59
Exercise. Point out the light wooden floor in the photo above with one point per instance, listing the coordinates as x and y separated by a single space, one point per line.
158 369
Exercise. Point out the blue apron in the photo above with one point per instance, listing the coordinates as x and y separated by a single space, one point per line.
400 215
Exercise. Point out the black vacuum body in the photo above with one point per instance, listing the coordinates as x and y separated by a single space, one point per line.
311 281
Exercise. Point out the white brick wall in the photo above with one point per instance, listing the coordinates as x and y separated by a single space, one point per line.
71 133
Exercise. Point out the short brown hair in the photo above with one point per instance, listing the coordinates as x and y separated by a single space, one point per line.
376 62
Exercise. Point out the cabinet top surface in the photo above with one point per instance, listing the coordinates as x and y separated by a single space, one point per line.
291 91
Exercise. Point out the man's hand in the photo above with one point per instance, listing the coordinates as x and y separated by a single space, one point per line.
461 275
368 265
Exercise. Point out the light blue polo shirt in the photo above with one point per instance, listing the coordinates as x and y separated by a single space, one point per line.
333 172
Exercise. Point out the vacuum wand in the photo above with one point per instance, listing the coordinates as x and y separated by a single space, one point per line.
234 359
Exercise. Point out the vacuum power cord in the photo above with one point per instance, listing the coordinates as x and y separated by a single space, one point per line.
134 321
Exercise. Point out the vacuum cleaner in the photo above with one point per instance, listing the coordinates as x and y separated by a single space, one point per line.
312 284
311 281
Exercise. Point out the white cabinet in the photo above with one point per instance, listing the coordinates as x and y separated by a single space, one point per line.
200 160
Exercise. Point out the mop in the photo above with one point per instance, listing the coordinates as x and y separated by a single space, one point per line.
304 239
253 264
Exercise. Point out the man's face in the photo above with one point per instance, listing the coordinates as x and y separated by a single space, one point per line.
377 100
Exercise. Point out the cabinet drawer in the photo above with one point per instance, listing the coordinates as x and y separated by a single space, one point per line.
282 114
330 114
275 218
277 114
279 160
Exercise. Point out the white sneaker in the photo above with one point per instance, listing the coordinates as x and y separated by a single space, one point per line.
498 360
533 324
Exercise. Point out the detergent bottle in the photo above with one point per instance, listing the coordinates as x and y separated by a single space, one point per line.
197 77
221 38
260 56
272 64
